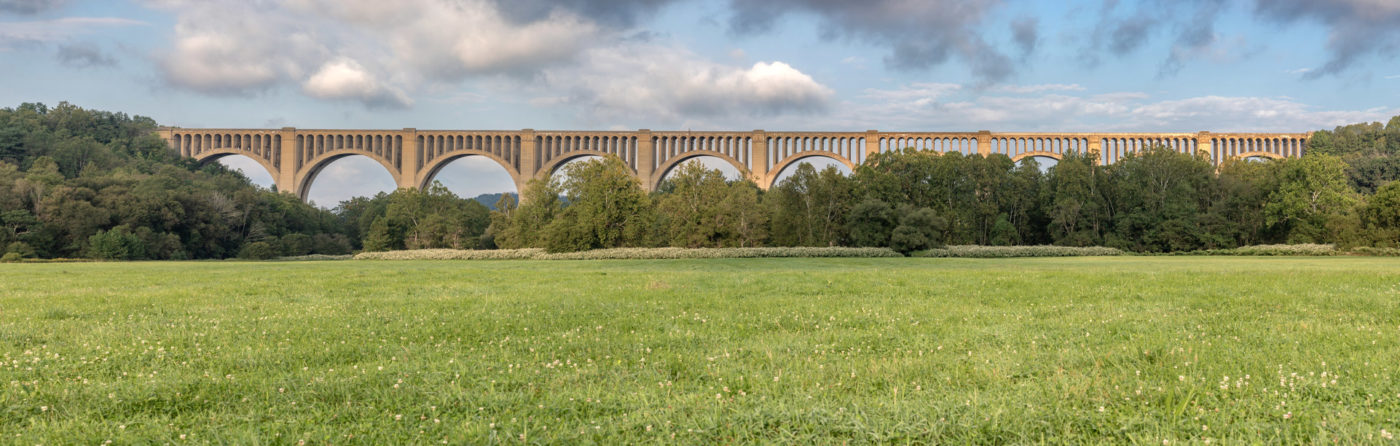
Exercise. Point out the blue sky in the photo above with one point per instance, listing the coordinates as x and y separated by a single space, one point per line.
916 65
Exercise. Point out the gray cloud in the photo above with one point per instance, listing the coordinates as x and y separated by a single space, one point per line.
30 6
1357 28
84 55
1024 33
612 12
919 33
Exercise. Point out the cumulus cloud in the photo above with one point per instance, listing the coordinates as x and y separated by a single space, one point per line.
240 47
375 53
346 79
919 33
30 6
672 84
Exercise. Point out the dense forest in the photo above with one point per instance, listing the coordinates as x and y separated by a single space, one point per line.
78 183
84 183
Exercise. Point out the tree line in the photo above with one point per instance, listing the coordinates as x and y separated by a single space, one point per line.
81 183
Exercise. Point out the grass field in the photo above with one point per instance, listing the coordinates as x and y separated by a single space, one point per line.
1149 350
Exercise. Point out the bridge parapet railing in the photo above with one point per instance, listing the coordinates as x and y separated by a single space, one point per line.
966 143
553 146
436 144
671 145
847 147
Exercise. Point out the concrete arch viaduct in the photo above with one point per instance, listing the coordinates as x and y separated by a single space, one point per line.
413 157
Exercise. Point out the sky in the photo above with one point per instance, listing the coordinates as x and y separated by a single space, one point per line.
834 65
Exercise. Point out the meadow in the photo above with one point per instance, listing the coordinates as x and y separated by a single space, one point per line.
1144 350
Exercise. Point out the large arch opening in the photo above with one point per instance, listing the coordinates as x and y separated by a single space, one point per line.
558 173
474 177
250 168
344 178
1044 163
818 162
724 167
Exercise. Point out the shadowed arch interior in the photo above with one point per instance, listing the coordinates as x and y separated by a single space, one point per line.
671 165
308 178
822 161
481 168
220 155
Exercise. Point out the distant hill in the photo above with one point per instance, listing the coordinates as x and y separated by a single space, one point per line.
490 200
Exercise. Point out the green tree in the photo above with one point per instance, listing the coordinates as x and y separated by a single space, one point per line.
692 208
116 244
522 225
919 229
1076 207
809 207
1381 215
607 208
1312 193
870 223
1162 196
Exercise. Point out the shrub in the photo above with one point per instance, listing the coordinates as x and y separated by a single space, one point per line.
1274 250
990 252
20 248
451 254
1379 252
11 257
116 244
919 229
314 257
297 245
258 251
718 253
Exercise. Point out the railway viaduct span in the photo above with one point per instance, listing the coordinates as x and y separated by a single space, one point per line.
413 157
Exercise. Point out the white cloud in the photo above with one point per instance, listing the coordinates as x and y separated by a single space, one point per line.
667 84
1040 88
346 79
378 53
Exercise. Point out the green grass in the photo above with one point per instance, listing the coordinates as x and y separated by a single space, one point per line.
1102 350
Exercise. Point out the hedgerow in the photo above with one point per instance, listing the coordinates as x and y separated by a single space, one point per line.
1273 250
992 252
452 254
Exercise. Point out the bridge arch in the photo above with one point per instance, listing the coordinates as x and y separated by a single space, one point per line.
1259 154
431 170
307 175
796 158
1039 153
213 155
547 170
665 168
